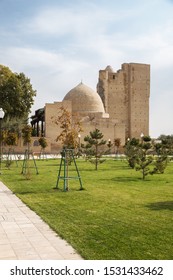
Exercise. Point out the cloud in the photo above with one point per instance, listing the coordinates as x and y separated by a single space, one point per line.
60 22
57 44
52 74
83 18
89 32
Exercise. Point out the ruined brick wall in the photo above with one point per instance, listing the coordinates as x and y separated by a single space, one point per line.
125 95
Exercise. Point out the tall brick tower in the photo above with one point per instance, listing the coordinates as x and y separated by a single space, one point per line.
125 95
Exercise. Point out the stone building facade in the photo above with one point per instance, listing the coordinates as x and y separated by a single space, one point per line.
119 107
125 95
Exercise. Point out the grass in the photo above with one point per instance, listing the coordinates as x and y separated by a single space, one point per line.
117 216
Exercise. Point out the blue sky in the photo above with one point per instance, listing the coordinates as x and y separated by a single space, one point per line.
58 43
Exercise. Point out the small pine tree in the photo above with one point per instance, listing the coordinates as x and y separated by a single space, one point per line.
143 159
162 151
143 163
94 147
131 151
147 156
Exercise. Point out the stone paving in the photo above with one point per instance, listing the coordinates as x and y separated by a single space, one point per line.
25 236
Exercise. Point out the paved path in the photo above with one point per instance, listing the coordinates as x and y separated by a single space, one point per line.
24 235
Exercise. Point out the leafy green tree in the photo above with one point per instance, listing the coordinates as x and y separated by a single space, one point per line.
16 94
94 147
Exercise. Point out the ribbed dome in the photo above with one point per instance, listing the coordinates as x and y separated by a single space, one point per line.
84 99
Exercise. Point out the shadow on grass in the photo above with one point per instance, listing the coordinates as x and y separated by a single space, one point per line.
123 179
162 205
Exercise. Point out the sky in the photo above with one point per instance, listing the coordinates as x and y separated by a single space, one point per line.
58 43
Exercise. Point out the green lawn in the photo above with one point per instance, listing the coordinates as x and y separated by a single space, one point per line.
117 216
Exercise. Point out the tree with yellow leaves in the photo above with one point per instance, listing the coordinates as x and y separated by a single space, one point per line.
70 129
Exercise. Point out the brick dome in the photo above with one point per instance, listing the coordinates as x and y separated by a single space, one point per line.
84 99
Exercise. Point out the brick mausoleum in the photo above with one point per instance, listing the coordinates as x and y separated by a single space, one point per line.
119 107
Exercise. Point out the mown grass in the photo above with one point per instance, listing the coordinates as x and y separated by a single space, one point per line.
116 216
